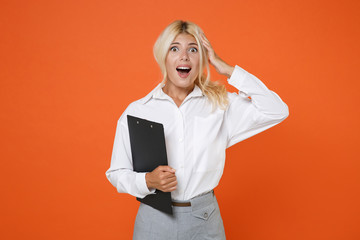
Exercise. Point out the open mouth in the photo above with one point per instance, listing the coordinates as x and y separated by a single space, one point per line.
183 70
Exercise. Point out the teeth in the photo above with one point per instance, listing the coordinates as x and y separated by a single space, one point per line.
185 68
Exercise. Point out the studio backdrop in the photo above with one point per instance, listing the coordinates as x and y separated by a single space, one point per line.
68 69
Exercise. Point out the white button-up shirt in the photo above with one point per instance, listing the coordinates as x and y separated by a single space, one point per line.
196 138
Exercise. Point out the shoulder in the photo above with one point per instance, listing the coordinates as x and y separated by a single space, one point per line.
135 106
130 110
138 106
144 99
149 96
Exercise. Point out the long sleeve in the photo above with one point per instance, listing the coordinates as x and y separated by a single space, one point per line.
120 173
246 117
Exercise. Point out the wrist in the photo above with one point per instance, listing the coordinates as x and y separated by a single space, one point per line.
223 68
148 184
229 71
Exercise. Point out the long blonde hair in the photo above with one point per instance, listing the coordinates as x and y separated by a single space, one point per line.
215 92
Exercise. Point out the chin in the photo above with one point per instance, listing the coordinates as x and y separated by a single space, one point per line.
181 82
184 83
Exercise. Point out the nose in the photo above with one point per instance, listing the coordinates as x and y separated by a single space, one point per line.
184 56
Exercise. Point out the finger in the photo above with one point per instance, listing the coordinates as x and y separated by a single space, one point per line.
166 169
207 45
206 39
165 183
163 180
169 176
203 36
161 168
172 181
170 187
169 169
169 190
203 39
166 175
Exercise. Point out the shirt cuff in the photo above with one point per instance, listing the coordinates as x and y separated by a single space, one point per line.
141 185
237 79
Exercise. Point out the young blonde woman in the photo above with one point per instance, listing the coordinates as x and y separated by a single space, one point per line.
201 119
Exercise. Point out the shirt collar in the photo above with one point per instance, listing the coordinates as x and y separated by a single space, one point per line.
158 93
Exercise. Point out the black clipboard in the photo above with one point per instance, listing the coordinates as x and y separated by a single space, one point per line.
148 151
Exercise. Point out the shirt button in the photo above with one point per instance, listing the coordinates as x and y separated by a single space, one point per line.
181 139
205 215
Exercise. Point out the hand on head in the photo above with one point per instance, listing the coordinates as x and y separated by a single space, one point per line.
220 66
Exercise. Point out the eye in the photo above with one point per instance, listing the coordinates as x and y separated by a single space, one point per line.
194 50
174 49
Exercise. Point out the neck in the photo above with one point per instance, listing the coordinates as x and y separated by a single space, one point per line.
177 93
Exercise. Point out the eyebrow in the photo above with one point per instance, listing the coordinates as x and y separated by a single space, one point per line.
179 43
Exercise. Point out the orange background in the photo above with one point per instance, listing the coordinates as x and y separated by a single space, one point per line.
68 70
